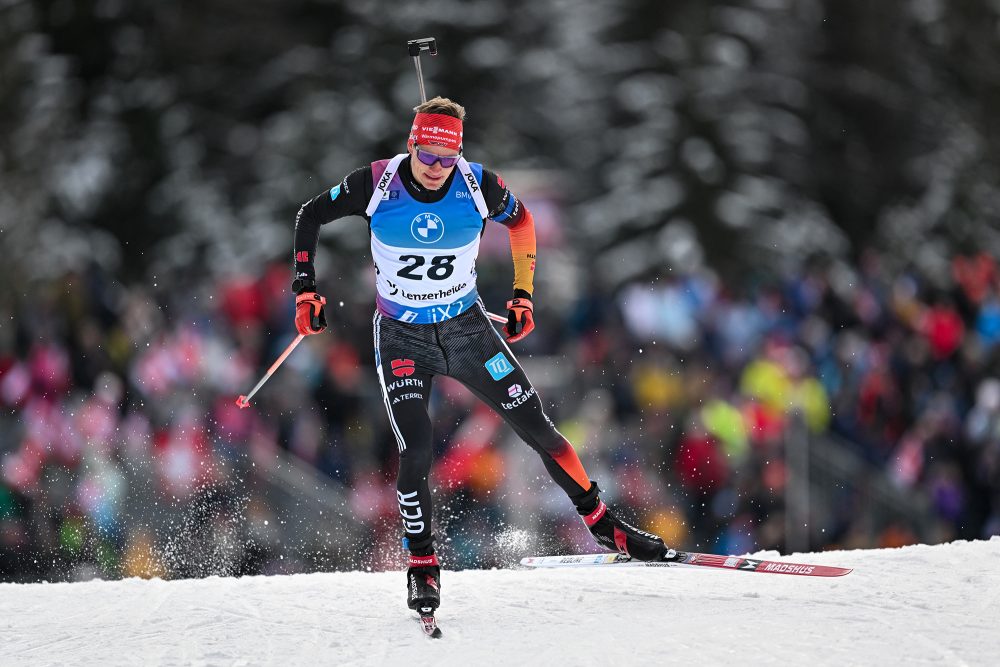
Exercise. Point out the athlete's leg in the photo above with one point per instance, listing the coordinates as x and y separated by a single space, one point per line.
406 358
406 401
479 358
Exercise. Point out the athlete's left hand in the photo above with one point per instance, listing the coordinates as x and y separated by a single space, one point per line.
520 317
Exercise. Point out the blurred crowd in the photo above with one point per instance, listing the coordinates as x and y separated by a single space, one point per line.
124 454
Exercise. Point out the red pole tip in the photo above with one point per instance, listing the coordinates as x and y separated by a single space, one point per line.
243 402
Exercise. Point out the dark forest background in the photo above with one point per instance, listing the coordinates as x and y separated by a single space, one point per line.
176 138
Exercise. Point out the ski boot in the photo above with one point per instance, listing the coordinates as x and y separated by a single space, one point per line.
423 583
613 533
423 586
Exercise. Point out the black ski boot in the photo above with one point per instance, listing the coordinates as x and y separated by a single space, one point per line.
423 584
615 534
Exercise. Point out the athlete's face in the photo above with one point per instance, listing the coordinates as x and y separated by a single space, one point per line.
433 176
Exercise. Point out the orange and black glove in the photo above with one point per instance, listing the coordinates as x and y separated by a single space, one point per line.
310 317
520 318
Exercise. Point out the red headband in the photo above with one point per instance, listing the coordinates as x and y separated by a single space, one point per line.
436 129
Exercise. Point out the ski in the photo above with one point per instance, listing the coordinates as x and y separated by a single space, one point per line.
690 559
429 623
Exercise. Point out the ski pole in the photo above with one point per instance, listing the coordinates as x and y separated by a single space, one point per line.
244 401
415 47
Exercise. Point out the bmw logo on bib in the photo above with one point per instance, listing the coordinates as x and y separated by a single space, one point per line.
427 228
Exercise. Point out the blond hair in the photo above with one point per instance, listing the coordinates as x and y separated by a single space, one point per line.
442 105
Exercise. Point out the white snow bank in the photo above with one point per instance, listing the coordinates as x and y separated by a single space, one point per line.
916 605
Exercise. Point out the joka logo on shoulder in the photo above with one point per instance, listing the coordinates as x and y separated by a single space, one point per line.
427 228
402 367
499 367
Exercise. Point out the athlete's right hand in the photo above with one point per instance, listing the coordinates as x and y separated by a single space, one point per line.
310 317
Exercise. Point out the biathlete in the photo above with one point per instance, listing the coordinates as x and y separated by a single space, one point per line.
426 211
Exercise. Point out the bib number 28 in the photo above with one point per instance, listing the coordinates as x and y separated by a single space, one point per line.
440 268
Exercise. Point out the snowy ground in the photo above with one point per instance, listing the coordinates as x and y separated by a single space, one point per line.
917 605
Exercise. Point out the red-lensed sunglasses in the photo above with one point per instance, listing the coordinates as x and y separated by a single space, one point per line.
430 158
